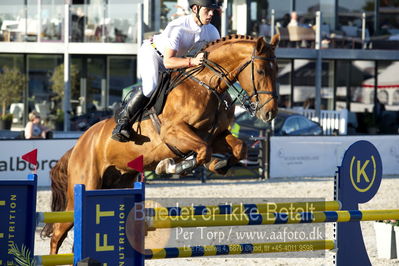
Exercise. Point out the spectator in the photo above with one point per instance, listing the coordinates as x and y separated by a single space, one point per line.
264 28
34 129
294 19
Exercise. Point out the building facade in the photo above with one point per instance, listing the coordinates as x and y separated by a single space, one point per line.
99 40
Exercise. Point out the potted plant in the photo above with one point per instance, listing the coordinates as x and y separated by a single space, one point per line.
59 120
385 237
57 86
5 121
12 84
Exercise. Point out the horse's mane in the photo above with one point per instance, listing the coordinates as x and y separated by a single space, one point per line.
227 39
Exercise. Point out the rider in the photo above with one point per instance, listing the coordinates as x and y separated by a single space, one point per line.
166 50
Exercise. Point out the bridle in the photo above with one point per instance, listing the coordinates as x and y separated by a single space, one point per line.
245 100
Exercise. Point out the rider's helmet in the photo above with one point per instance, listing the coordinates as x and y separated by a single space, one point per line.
205 3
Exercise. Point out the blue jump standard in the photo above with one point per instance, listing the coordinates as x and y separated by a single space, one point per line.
101 216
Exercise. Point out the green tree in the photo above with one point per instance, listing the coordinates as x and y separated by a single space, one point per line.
57 80
12 84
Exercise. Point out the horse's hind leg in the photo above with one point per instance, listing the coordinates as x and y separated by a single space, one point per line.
60 232
59 235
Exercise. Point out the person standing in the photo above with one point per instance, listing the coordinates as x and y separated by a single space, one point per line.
166 51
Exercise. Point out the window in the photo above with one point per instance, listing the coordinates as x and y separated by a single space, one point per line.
291 125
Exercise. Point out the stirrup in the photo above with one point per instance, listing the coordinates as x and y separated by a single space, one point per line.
118 134
120 137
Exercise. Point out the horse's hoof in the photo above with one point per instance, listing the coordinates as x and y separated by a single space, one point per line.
164 166
222 166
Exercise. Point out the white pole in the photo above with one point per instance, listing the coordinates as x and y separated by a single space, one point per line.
140 31
272 23
67 84
363 30
318 66
224 19
39 20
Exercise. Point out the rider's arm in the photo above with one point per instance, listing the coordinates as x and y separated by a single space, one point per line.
170 60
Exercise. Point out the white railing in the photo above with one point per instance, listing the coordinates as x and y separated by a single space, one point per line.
332 122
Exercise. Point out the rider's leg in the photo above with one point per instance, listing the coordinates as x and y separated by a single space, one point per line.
148 63
123 131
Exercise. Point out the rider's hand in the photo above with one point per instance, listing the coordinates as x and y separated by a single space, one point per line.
196 61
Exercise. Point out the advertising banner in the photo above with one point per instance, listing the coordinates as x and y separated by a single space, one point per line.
320 156
12 166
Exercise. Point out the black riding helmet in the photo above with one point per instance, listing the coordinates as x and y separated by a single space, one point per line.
203 3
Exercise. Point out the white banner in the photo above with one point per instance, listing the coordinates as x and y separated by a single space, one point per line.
289 156
48 153
320 156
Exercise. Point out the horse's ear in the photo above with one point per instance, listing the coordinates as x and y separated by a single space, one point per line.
275 40
260 44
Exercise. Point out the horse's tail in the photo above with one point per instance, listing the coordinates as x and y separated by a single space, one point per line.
59 186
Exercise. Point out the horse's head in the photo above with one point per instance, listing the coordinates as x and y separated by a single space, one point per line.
257 75
249 61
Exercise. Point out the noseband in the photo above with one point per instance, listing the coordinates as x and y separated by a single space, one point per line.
251 107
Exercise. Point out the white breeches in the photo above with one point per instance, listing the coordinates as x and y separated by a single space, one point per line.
149 63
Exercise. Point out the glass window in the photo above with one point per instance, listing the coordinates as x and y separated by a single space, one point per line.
388 83
327 85
303 123
122 20
80 14
17 107
284 81
350 17
96 85
40 94
122 73
12 20
104 21
291 125
51 18
354 81
304 82
389 19
306 10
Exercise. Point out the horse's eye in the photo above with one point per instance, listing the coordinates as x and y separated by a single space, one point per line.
261 72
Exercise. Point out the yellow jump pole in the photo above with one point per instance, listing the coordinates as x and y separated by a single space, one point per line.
246 208
59 259
235 249
270 218
54 217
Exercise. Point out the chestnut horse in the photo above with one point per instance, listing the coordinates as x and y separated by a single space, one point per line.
195 118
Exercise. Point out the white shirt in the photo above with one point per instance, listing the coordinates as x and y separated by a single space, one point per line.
181 34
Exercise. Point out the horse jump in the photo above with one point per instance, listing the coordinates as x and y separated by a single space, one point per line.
96 207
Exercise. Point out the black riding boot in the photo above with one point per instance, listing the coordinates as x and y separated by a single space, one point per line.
123 131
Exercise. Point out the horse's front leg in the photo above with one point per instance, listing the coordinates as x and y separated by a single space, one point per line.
227 144
185 140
